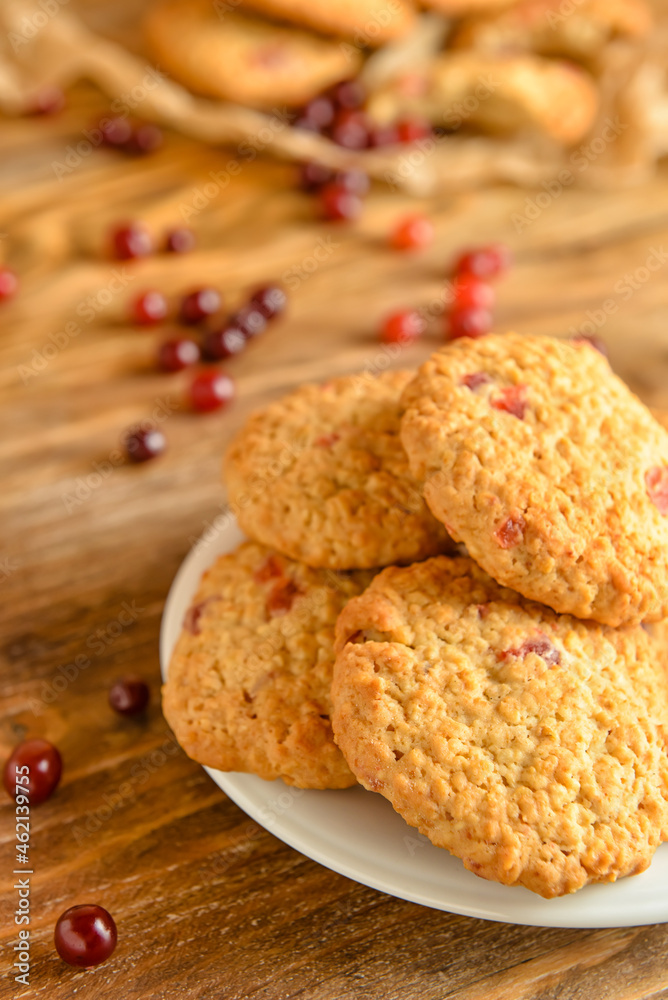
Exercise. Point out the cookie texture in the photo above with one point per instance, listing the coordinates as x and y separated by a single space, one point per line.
242 58
550 471
366 22
529 744
248 687
321 475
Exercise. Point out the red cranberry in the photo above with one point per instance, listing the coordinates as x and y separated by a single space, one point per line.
472 322
402 327
149 308
327 440
353 180
42 763
211 391
180 240
469 293
320 112
9 284
511 532
144 443
144 138
513 400
85 935
412 233
485 262
199 305
349 94
129 696
250 320
281 597
270 568
271 300
133 240
475 380
593 341
338 203
351 129
177 354
539 645
412 129
223 343
313 176
383 135
50 100
116 132
656 481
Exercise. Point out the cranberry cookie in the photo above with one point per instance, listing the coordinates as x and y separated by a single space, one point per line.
551 472
321 475
529 744
249 680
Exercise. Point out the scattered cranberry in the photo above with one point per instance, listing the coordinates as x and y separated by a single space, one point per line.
485 262
180 240
144 444
129 696
656 481
475 380
223 343
539 645
338 203
85 935
472 322
49 100
327 440
271 300
353 180
211 391
412 233
593 341
116 132
469 293
250 320
133 240
281 597
313 176
402 327
177 354
199 305
513 400
149 308
351 129
144 138
511 532
270 568
384 135
9 284
412 129
349 94
320 112
44 766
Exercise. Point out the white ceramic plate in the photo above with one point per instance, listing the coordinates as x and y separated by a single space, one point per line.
358 834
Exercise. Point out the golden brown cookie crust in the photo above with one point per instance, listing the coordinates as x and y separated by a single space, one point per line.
248 687
321 475
565 500
241 58
365 22
530 745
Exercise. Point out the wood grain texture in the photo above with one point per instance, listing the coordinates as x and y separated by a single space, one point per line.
207 903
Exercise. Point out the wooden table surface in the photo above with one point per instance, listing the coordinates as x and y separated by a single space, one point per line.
208 904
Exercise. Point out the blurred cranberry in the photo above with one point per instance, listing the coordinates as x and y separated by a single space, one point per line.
198 305
9 284
211 391
179 240
349 94
149 308
412 129
223 343
132 240
485 262
414 232
338 203
351 129
176 354
469 322
313 176
271 300
402 327
144 138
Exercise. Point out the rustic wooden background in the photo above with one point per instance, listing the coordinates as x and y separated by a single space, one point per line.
207 904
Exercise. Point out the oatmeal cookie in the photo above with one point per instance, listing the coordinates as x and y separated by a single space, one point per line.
365 22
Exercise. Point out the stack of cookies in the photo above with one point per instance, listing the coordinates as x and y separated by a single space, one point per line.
502 682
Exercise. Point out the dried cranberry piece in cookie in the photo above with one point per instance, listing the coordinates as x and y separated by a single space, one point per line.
656 481
269 570
513 400
327 440
475 380
193 615
539 645
281 597
511 532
